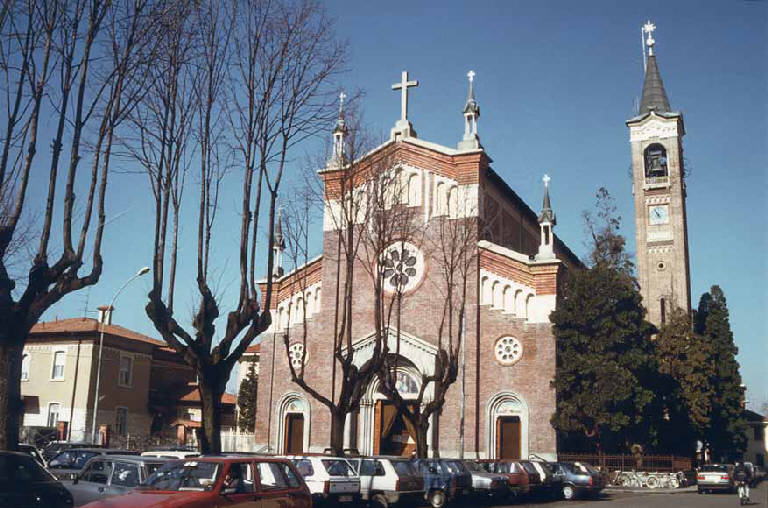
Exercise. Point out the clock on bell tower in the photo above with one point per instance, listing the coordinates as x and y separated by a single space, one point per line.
658 174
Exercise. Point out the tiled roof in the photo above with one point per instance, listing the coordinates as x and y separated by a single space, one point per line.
90 325
193 395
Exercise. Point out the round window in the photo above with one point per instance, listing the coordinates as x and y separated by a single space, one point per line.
403 266
295 353
508 350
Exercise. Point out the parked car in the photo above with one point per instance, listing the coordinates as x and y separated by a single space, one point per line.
68 463
330 479
552 483
713 477
387 480
24 483
517 478
33 452
53 448
111 475
170 454
579 479
485 483
245 482
535 479
442 482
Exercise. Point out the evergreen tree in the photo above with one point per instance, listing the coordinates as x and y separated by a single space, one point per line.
725 434
246 400
606 366
686 369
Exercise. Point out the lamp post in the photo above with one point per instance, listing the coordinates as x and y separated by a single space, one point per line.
138 274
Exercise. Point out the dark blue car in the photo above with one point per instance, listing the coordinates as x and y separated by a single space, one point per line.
579 479
444 480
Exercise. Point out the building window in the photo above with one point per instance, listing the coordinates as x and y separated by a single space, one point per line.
59 358
53 413
655 162
126 371
296 353
508 350
25 367
121 421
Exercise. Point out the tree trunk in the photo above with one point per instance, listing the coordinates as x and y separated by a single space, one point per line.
338 419
422 429
11 406
210 400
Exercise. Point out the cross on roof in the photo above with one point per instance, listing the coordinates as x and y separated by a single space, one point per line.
546 180
342 96
403 87
648 28
471 76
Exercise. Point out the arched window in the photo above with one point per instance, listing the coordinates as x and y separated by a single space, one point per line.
317 299
497 302
519 304
414 192
453 202
25 367
509 304
655 161
485 291
441 199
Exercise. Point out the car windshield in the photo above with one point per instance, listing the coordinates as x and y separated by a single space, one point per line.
337 467
71 459
506 467
529 468
474 466
189 475
403 468
713 468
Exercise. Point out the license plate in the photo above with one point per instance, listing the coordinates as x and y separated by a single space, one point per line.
345 499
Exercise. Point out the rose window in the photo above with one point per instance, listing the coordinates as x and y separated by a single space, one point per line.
508 350
403 266
295 353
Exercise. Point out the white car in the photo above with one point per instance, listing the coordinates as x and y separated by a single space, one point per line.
170 454
388 480
331 480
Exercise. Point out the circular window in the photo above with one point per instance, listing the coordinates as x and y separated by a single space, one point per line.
660 266
295 353
508 350
403 266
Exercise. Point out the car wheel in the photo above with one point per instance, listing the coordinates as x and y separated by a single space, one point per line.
568 492
379 501
436 499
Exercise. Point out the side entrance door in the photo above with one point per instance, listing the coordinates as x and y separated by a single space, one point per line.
508 431
294 434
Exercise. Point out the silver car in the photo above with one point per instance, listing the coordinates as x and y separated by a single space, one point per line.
483 482
111 475
715 477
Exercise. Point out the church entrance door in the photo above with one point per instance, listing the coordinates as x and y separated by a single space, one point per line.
508 437
392 435
294 434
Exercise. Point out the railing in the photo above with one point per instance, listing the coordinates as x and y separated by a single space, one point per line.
657 463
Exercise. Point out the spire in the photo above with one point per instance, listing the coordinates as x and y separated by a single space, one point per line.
654 96
339 131
547 215
278 246
547 221
471 111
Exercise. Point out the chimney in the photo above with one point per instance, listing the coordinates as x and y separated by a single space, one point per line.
105 314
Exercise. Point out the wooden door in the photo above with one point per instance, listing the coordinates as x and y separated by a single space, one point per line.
508 434
294 434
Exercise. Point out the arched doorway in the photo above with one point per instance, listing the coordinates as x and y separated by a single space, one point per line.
393 434
507 427
293 425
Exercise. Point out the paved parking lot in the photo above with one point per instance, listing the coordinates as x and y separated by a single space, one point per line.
610 499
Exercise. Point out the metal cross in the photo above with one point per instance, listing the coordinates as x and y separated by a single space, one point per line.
403 87
546 180
471 76
648 28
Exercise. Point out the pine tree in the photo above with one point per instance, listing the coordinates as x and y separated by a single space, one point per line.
246 400
686 369
725 434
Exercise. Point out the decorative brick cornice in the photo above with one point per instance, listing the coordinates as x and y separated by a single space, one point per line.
293 282
540 275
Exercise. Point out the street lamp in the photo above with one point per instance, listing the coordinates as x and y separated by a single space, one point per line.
138 274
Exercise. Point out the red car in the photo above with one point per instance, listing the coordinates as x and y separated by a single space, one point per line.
242 482
517 477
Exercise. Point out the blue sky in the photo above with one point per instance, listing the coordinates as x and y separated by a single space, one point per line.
555 82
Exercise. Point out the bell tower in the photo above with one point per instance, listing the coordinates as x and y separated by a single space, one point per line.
656 139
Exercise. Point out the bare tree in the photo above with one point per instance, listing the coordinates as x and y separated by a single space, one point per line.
452 243
261 73
80 64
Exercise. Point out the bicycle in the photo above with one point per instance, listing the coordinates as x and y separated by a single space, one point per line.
743 492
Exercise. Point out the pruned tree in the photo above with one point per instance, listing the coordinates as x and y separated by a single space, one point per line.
452 243
81 66
349 190
259 87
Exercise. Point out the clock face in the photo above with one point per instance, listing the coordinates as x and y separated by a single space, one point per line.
659 214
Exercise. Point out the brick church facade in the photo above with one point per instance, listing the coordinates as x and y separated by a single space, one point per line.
509 348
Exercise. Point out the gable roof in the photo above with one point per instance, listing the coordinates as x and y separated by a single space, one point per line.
90 326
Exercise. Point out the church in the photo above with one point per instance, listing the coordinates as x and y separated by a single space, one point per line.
501 405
